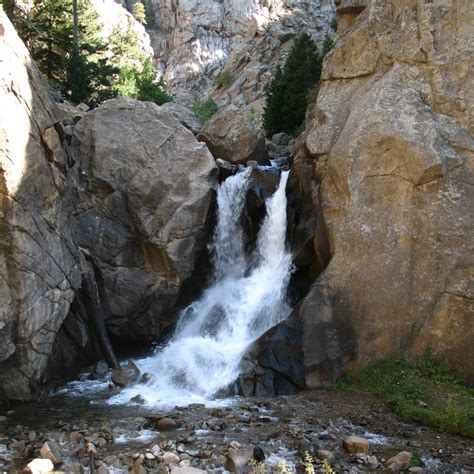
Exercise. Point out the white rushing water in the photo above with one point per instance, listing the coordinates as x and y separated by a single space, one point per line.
247 296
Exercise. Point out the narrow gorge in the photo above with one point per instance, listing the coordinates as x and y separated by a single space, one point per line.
180 291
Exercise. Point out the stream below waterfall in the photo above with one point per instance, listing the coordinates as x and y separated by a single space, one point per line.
177 417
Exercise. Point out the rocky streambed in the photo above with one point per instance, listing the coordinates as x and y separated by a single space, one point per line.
82 431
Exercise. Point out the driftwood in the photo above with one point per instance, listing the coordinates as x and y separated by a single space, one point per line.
96 312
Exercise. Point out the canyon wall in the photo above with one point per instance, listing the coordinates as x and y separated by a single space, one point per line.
387 161
39 269
195 41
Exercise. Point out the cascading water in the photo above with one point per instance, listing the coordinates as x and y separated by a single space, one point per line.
247 297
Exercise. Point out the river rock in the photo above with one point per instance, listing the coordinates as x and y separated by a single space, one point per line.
187 470
323 454
399 462
170 458
166 424
387 161
231 136
238 459
148 189
355 444
126 375
52 451
38 466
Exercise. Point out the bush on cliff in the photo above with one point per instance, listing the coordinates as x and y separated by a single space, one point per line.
287 93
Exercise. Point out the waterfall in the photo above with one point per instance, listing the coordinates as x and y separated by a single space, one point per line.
247 296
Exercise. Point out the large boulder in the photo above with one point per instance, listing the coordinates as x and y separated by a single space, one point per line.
39 269
233 135
145 211
390 153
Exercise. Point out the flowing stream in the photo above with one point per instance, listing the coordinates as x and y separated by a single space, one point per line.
246 297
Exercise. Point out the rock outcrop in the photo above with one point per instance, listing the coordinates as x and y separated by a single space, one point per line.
194 42
39 269
387 162
232 135
144 211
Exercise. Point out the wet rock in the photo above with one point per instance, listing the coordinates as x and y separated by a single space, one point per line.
281 139
76 437
101 368
3 420
138 399
258 454
51 450
324 454
126 375
355 444
38 466
399 462
165 424
17 445
238 459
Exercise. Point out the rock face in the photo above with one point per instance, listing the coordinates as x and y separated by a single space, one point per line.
194 41
145 208
387 162
233 136
39 269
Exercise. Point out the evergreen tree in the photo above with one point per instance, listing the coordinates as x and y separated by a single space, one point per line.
287 93
139 12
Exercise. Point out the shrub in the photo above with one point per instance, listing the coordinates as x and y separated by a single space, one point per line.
204 110
224 78
139 12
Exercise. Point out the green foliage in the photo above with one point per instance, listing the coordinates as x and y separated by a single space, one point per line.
426 392
139 12
137 74
79 71
288 91
334 23
90 71
204 110
224 78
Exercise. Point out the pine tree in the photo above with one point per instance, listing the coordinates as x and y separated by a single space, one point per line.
287 93
139 12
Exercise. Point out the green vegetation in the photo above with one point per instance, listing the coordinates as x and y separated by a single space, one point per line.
204 110
139 12
224 78
287 94
427 392
64 37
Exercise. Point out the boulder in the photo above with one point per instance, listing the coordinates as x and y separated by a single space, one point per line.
52 451
237 459
399 462
187 470
387 162
323 454
355 445
231 135
166 424
185 116
126 375
145 211
281 139
39 271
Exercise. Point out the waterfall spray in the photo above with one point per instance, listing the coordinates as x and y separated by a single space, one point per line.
241 304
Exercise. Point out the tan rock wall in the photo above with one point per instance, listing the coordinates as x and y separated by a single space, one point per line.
38 267
391 143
